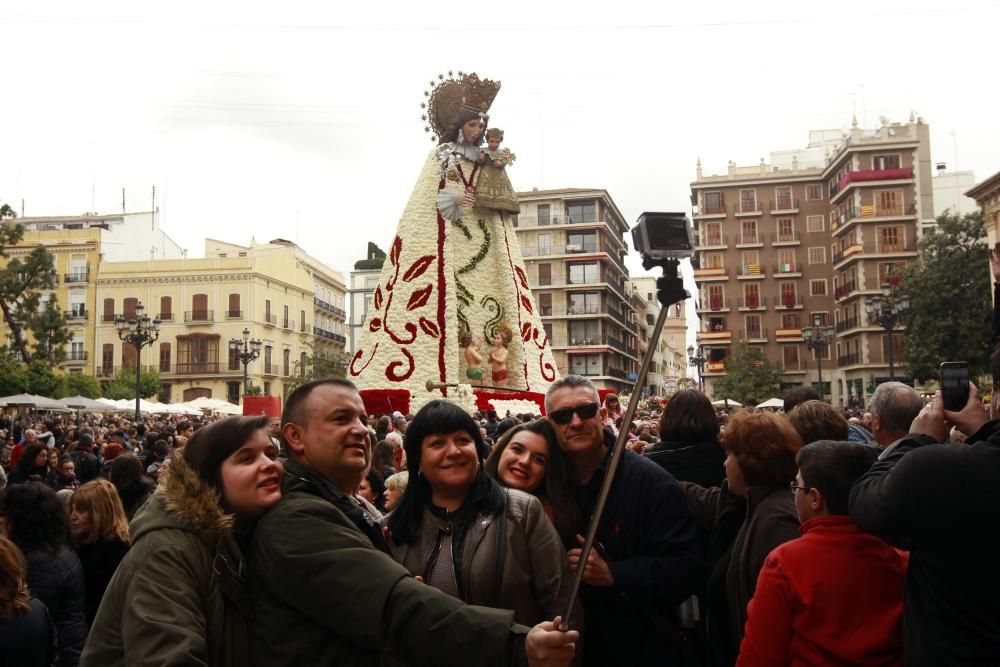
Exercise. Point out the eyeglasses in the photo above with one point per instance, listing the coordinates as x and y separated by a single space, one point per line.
793 487
565 415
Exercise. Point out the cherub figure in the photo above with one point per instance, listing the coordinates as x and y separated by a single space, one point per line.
498 356
493 188
473 357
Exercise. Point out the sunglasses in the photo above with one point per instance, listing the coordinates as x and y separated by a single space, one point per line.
565 416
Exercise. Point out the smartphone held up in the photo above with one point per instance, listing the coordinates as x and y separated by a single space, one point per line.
954 381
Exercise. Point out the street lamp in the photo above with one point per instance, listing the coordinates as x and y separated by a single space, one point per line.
246 350
817 338
885 311
698 360
138 332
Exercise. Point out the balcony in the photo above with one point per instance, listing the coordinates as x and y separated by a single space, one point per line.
746 208
329 335
857 250
554 220
750 241
845 290
712 210
788 335
619 345
752 302
199 316
719 273
849 360
270 369
751 272
105 371
796 366
788 270
719 337
288 324
109 317
870 213
76 277
197 368
617 373
784 206
711 242
270 320
328 306
715 367
234 314
788 302
786 238
868 176
713 304
77 315
752 335
844 325
166 317
76 356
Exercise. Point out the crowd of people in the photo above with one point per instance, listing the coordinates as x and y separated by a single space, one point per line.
802 536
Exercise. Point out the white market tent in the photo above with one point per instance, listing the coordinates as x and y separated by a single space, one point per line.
772 403
205 403
726 403
83 403
229 409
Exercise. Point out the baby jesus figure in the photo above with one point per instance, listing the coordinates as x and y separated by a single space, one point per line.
493 188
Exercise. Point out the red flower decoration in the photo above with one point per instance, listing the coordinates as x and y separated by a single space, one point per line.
417 268
375 324
526 332
397 247
430 328
522 277
419 298
390 370
527 304
378 298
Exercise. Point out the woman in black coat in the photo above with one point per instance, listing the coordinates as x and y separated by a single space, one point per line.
37 522
100 533
33 466
125 472
689 440
27 636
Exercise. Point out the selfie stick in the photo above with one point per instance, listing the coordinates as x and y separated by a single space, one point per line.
670 290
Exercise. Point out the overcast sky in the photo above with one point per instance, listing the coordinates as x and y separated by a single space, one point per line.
299 121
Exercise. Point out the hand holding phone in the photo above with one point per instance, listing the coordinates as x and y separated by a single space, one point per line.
954 381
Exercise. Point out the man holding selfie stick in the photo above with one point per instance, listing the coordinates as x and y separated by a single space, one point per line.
938 501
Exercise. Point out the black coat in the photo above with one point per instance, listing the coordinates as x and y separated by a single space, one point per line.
57 580
939 502
29 639
134 496
697 462
651 542
99 560
86 464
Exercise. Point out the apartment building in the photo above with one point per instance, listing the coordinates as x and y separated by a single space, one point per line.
669 364
987 196
364 280
808 240
573 245
78 245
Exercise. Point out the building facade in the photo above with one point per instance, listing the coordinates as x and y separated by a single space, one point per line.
282 296
987 196
950 191
364 280
573 245
808 242
669 364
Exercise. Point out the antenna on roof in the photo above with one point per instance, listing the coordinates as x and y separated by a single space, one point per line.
152 212
123 201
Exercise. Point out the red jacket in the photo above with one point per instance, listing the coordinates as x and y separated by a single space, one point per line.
832 597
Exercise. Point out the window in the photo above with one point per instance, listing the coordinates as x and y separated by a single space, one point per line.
713 202
584 303
128 308
303 363
302 320
751 261
285 318
890 239
267 359
790 354
749 231
880 162
897 347
198 353
889 273
713 260
109 311
783 198
547 326
814 223
267 310
544 214
751 294
814 192
76 351
582 212
544 242
286 362
544 274
164 357
790 320
788 296
888 202
817 255
166 308
819 318
77 305
786 262
545 303
581 242
108 359
233 392
164 394
753 326
234 359
584 273
128 356
716 297
585 364
748 201
584 332
267 388
234 306
713 233
786 229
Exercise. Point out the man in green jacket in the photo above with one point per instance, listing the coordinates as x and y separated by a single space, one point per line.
324 590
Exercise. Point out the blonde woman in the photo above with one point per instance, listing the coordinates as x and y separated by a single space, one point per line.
100 534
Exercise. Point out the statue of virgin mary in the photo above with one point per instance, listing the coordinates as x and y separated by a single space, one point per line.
453 269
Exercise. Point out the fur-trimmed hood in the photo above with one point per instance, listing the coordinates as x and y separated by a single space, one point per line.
184 501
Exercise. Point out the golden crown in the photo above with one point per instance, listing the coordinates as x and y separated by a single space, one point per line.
454 93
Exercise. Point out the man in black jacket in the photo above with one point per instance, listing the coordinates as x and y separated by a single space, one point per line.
939 502
85 463
647 559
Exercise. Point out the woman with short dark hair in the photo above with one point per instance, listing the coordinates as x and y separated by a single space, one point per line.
689 440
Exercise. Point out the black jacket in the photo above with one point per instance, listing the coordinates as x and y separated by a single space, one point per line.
100 560
697 462
57 580
86 464
939 502
651 542
29 639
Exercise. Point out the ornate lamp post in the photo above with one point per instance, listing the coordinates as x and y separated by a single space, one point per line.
817 338
885 311
246 350
138 332
698 360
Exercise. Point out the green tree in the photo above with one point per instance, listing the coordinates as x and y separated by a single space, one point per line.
13 375
80 384
949 292
750 378
21 281
42 381
48 327
324 362
123 384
